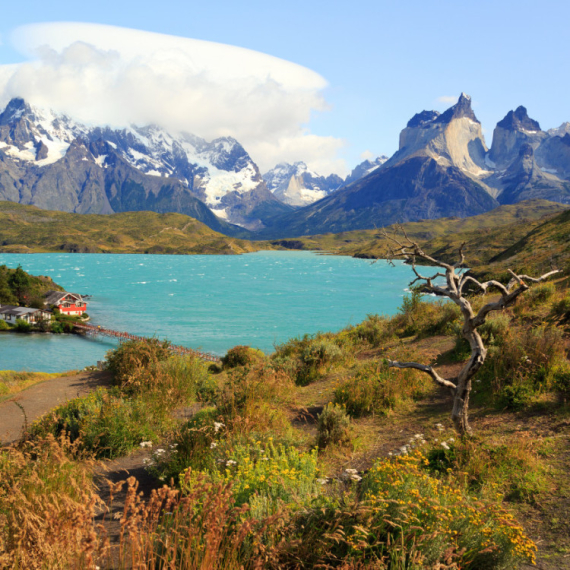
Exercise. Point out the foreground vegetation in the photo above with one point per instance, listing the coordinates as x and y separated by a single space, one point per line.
318 455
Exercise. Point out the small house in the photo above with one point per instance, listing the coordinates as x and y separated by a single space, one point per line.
68 303
10 314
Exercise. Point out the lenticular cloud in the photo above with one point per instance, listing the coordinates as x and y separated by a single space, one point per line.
116 76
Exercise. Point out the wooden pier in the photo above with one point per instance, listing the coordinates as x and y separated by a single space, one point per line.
182 350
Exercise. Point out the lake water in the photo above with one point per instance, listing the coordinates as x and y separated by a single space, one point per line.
204 301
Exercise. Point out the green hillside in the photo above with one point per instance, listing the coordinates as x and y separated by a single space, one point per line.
487 236
27 229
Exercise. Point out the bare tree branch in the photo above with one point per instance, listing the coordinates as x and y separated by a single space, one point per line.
423 368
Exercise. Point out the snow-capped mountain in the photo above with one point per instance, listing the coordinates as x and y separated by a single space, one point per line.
219 173
365 168
444 168
296 185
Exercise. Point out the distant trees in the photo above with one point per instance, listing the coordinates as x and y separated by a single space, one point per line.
19 288
456 288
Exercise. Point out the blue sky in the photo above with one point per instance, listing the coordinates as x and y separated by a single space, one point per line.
383 61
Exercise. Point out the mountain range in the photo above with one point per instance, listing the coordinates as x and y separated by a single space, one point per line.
442 168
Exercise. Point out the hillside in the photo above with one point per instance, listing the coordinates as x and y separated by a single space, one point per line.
27 229
487 236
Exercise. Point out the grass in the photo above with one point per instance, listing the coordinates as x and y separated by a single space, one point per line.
12 382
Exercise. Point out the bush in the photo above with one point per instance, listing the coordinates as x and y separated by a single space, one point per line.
376 389
256 399
521 366
561 380
508 467
4 326
440 521
184 378
105 423
241 356
266 476
374 330
541 293
23 326
314 358
132 358
333 426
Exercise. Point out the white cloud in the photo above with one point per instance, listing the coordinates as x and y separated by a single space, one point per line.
367 155
447 99
109 75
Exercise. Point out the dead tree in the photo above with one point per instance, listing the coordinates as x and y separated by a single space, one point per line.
456 286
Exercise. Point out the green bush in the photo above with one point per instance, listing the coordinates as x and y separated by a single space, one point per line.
541 293
264 475
4 326
314 358
105 423
333 426
561 380
521 366
376 389
23 326
132 358
374 330
241 356
186 378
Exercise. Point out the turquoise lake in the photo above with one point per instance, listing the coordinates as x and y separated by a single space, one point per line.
204 301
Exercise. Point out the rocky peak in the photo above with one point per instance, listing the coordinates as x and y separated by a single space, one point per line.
560 131
526 151
461 109
422 119
15 109
518 120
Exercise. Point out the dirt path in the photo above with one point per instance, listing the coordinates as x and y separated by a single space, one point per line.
32 403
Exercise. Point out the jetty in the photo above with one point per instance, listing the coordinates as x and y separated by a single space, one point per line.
93 330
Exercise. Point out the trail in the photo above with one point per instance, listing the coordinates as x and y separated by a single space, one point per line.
34 402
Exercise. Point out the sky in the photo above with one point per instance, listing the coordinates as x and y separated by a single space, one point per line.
325 82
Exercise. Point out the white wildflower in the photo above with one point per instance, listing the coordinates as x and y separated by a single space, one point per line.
322 481
230 462
213 445
160 451
218 426
145 443
444 445
351 471
451 440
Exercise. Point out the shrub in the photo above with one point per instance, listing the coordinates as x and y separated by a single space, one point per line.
521 367
376 389
241 356
183 378
541 293
374 330
256 399
4 326
105 423
333 426
129 361
266 476
507 467
23 326
561 309
314 358
440 520
561 380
